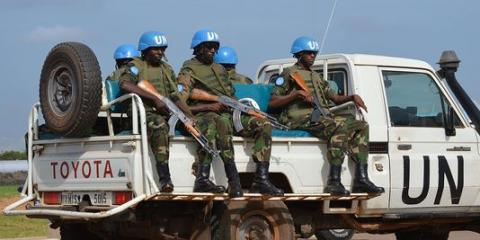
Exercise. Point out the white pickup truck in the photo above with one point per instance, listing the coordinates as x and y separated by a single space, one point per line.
424 137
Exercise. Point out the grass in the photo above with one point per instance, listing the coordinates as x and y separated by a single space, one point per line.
19 226
8 191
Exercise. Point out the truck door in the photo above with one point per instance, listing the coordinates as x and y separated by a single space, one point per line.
428 168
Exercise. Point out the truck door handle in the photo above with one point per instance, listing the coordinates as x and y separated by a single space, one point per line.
404 146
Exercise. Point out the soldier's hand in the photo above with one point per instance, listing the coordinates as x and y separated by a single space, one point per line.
215 107
359 102
305 96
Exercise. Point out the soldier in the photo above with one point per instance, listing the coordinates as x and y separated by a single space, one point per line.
227 57
151 66
343 134
123 55
216 121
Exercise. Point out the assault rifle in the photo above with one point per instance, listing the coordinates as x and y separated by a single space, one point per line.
178 114
318 110
238 107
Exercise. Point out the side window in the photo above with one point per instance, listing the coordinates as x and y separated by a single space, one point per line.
337 80
414 100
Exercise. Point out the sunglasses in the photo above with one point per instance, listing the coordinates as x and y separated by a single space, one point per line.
210 45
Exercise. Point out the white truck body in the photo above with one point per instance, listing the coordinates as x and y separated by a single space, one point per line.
423 170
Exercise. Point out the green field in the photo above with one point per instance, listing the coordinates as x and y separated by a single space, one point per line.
19 226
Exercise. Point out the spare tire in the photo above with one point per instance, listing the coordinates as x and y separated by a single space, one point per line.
70 89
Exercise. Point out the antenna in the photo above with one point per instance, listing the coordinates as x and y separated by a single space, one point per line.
328 26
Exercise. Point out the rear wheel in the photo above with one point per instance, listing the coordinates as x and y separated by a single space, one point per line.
256 221
70 89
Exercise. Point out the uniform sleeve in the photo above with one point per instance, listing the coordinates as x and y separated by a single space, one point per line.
281 85
184 84
130 73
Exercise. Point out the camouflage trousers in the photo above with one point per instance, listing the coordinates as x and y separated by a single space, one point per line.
344 135
157 130
218 129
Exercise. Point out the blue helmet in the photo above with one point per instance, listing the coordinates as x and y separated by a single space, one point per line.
126 51
152 39
204 35
226 55
304 44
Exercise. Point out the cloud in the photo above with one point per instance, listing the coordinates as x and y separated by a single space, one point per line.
55 34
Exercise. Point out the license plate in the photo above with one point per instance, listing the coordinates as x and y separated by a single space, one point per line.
96 198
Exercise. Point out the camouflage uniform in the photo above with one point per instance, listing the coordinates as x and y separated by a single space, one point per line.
238 78
344 134
218 128
163 78
115 75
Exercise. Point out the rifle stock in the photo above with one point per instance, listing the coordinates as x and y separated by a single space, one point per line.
199 94
300 82
148 87
318 110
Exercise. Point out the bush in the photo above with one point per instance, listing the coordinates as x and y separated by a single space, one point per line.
13 155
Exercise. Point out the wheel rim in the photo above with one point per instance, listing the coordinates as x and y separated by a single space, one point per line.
339 232
255 228
258 225
61 89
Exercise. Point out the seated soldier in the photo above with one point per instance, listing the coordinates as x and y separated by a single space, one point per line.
297 91
123 55
215 120
152 66
227 57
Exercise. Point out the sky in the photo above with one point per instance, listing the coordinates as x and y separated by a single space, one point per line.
258 30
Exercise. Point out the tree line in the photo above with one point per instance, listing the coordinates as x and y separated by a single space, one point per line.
13 155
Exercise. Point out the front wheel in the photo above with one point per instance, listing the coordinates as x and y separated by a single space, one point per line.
256 221
334 234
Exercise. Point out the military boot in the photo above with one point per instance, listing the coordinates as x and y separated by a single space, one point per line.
362 184
334 185
261 183
166 184
203 183
234 186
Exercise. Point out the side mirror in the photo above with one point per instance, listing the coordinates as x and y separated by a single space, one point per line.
450 122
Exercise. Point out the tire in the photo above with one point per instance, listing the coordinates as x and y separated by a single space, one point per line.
70 89
256 220
422 234
334 234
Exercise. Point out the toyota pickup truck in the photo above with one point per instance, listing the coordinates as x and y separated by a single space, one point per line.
424 150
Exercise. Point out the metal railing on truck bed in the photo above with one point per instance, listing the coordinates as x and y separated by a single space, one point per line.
149 190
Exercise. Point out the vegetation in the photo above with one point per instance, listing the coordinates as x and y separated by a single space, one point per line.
13 155
18 226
